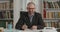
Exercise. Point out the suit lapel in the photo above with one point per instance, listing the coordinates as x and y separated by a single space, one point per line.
33 19
28 20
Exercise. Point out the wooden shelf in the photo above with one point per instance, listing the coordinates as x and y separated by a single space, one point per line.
7 19
6 12
51 13
52 9
51 18
4 1
57 28
6 9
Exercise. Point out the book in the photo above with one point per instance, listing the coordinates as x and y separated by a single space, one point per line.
7 14
58 14
2 23
53 4
55 24
58 2
7 5
55 14
1 15
6 24
44 13
50 15
1 5
52 24
44 3
11 12
47 14
1 29
50 4
45 24
11 5
47 4
56 5
49 24
59 25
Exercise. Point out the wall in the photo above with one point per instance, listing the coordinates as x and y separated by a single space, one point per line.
17 8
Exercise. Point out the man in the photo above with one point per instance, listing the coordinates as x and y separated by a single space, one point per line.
30 19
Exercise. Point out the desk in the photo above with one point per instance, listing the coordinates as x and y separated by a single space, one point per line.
46 29
13 30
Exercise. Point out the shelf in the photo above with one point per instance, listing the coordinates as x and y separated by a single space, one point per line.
52 8
51 0
6 13
6 9
53 11
4 1
51 18
7 19
57 28
51 21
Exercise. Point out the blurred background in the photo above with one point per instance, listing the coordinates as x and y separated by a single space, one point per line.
10 12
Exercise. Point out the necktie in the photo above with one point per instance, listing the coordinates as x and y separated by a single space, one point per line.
31 18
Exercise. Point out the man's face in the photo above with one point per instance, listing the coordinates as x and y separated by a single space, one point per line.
31 8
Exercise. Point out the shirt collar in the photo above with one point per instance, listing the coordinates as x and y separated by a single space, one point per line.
31 15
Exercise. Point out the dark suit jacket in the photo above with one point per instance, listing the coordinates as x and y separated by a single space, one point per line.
24 19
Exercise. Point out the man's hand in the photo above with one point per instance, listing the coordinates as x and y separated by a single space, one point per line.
24 27
34 27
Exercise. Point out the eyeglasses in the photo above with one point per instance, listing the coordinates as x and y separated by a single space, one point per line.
30 8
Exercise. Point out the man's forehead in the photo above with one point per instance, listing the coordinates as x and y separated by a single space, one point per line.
31 5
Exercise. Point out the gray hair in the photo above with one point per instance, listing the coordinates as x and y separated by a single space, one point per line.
30 3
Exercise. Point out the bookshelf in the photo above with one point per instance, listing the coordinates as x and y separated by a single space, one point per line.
51 13
6 13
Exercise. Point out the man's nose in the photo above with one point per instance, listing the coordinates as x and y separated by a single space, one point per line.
31 9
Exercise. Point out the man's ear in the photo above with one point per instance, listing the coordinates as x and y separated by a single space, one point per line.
26 7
